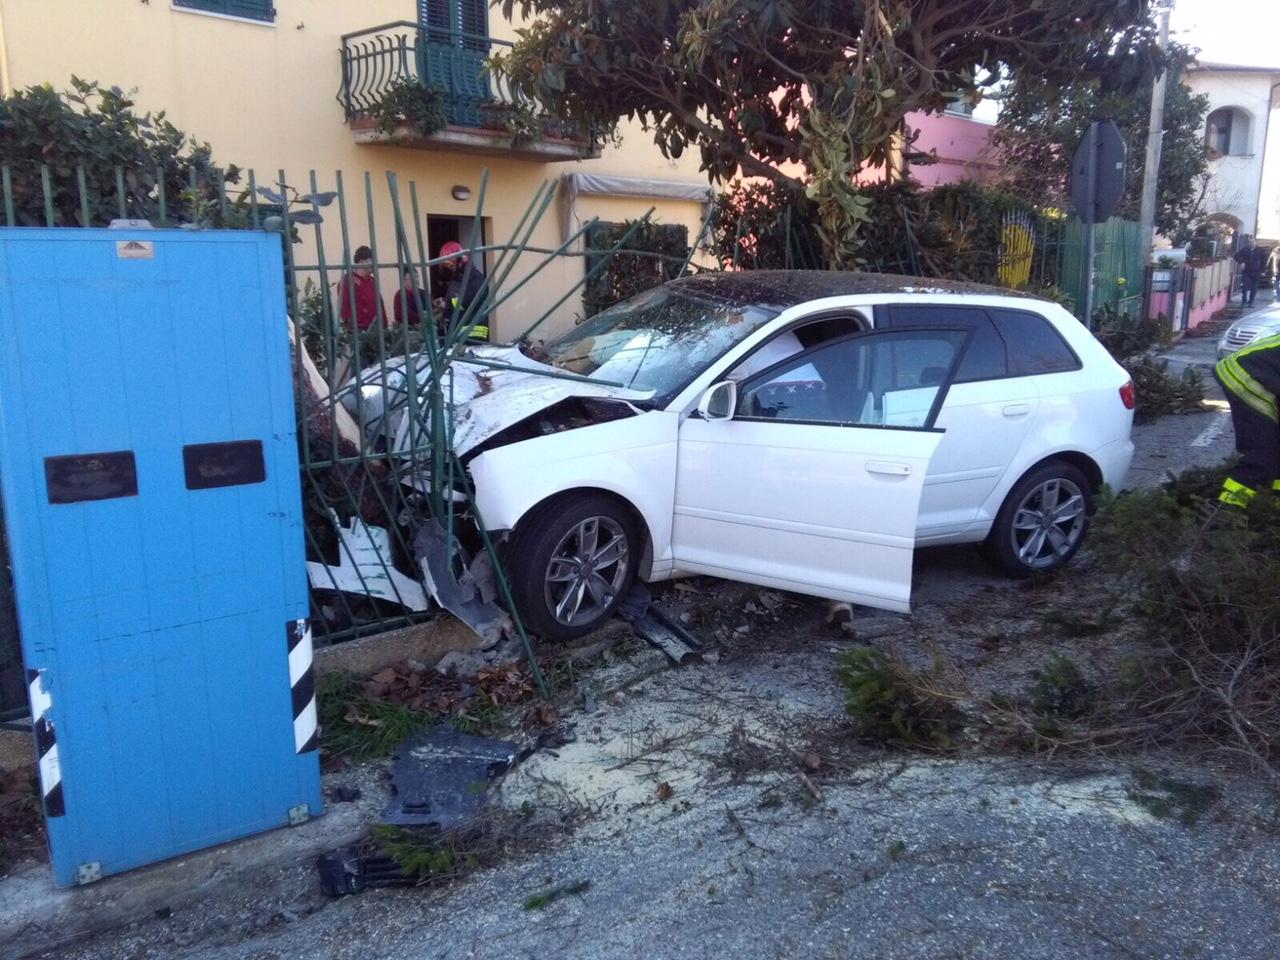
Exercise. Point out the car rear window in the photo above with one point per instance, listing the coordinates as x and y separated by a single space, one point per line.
986 358
1035 347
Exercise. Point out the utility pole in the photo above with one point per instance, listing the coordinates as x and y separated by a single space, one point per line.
1155 135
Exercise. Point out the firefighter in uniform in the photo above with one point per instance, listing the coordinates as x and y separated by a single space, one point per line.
1251 380
466 284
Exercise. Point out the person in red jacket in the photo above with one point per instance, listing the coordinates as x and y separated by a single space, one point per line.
358 293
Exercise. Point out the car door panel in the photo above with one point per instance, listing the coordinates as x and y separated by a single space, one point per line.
986 416
985 423
815 484
823 510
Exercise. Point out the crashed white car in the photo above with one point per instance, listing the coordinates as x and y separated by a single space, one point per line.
799 430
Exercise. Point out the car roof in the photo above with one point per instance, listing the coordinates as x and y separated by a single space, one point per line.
786 288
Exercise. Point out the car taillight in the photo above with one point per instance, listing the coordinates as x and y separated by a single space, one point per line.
1128 396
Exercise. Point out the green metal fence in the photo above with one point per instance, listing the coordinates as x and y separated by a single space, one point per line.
1119 266
366 487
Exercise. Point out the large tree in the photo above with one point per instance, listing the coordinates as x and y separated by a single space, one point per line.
803 92
1041 123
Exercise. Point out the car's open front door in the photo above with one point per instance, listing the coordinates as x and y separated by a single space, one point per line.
813 484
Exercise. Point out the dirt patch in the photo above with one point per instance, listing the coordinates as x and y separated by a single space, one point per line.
22 837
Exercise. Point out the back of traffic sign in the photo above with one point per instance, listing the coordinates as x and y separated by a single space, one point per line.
1097 172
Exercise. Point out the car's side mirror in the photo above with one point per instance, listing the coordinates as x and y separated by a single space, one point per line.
719 402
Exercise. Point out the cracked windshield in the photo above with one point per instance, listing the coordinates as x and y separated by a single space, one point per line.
656 342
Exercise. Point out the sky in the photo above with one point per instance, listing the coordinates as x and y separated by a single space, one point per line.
1245 32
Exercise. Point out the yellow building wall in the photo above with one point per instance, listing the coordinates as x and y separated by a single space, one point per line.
265 97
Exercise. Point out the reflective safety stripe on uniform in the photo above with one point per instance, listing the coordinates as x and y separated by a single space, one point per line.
1236 379
1235 493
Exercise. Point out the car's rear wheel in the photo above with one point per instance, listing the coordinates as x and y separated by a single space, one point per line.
1043 520
571 562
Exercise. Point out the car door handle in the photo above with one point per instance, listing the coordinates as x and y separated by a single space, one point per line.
1015 410
890 469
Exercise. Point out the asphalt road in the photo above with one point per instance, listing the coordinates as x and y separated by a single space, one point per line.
900 859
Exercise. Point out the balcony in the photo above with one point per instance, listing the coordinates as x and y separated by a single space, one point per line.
482 115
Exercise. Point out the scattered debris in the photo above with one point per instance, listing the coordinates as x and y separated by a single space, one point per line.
539 900
469 664
665 791
365 567
441 777
466 587
668 635
350 870
345 794
635 604
875 627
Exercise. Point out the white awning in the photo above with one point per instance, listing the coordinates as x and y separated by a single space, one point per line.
574 185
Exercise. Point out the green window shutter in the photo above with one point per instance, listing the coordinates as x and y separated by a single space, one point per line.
249 9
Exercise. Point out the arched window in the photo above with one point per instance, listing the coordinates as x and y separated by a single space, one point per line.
1227 132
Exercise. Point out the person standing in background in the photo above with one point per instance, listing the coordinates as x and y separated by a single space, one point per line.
358 292
408 300
1252 260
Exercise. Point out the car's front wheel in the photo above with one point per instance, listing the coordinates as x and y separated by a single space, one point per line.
1043 520
570 563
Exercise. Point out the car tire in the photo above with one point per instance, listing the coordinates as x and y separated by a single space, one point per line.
561 588
1042 522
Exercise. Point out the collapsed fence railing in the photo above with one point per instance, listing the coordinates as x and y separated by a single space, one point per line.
366 489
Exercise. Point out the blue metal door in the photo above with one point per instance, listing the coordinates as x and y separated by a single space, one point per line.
150 478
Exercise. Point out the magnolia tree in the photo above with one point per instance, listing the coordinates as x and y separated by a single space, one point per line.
802 92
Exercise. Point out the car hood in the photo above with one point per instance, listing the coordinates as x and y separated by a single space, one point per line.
487 401
1257 323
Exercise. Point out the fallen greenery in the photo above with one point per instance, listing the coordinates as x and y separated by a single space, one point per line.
424 855
888 702
1184 657
1159 392
1131 342
358 726
365 718
547 897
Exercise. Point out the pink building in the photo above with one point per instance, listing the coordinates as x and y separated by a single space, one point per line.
959 143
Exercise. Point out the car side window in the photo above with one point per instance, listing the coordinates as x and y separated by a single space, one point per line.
886 378
987 356
1035 347
789 342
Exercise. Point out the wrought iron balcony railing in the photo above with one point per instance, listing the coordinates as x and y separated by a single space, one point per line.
453 62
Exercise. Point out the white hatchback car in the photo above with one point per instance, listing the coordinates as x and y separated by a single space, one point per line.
798 430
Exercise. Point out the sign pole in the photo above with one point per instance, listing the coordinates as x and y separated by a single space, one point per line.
1090 217
1097 181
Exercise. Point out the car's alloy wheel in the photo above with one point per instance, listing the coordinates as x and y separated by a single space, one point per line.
1043 520
1048 523
571 561
587 570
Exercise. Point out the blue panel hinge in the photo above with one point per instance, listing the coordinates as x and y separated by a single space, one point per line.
299 814
88 873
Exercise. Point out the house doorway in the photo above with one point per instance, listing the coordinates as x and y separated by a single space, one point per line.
443 229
